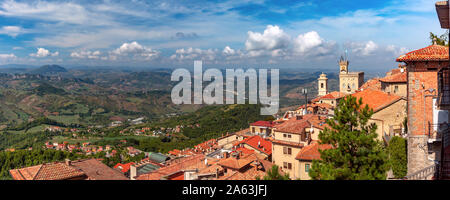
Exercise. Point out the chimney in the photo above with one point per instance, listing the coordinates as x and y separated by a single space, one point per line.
225 154
133 172
68 162
217 172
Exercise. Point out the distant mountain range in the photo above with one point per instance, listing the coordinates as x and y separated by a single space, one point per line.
48 69
29 69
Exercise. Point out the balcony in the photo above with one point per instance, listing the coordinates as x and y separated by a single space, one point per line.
444 89
435 131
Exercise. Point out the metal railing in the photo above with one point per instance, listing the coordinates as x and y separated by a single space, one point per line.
423 174
435 131
444 88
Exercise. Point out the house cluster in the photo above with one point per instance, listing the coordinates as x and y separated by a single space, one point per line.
87 148
60 129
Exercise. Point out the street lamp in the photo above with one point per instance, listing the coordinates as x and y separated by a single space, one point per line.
305 92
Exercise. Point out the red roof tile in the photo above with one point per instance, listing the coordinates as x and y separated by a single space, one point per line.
375 99
191 162
395 78
373 84
262 123
430 53
96 170
294 125
48 171
311 152
234 163
124 167
258 143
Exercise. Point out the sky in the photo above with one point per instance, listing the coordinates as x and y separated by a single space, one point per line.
242 33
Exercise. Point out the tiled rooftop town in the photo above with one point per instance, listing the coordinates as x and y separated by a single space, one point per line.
417 89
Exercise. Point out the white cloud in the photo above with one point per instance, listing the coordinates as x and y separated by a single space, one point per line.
86 54
195 53
307 41
397 51
228 51
41 52
12 31
7 56
134 50
64 12
272 41
363 49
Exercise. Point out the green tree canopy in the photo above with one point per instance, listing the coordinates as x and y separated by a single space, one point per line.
440 40
274 174
356 153
398 156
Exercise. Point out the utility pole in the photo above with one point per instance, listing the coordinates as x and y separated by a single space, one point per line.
305 92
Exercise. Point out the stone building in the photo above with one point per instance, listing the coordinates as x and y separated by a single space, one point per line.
389 112
395 82
349 82
289 139
323 85
424 117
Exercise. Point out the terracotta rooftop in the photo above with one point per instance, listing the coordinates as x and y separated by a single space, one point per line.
332 95
259 143
430 53
96 170
249 174
297 126
48 171
395 78
262 123
191 162
373 84
124 167
311 152
376 99
244 150
234 163
313 105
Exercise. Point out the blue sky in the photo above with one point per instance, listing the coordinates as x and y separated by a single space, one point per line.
268 33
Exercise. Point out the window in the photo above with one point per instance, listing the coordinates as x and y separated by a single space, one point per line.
396 89
287 150
284 135
289 136
287 165
321 85
307 166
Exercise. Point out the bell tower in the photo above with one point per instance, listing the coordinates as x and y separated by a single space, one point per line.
343 64
323 85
